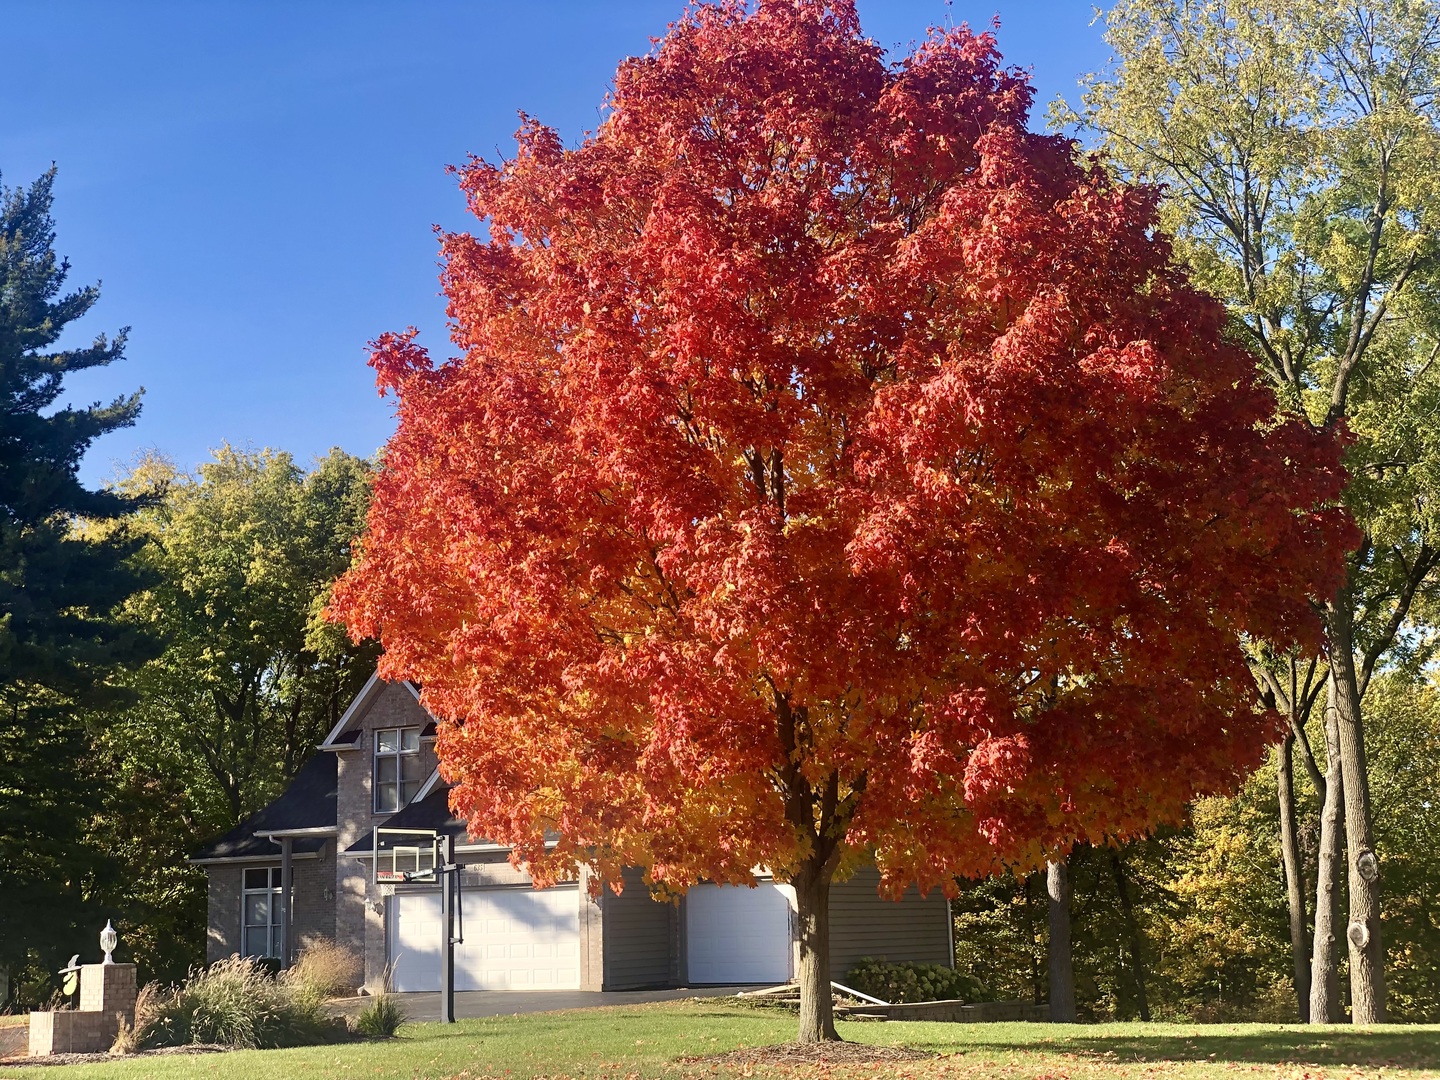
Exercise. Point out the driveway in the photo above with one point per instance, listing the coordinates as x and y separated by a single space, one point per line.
473 1003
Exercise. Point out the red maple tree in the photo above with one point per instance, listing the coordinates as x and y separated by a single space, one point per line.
832 470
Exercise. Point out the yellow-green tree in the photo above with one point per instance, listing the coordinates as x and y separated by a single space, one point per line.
1297 141
251 676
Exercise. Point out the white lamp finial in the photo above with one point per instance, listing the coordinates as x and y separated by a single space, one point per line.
108 940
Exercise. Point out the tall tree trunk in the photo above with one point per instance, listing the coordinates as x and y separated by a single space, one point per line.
1367 952
812 898
1132 927
1294 875
1325 1005
1062 969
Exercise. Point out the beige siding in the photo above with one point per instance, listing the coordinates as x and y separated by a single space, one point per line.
639 937
914 928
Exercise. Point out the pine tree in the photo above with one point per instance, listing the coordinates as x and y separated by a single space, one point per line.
59 585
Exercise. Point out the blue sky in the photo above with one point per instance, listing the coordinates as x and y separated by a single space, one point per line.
255 184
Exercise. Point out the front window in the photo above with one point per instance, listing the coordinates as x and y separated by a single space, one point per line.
397 768
261 911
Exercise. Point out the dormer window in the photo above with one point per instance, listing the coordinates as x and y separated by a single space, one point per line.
397 768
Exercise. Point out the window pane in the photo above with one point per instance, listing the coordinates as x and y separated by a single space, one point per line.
387 741
257 909
275 878
387 770
275 940
412 769
410 739
255 879
257 941
408 791
385 798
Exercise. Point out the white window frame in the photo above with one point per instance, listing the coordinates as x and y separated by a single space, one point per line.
273 926
400 755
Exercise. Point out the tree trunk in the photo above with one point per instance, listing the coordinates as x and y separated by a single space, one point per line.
1325 963
1132 926
1294 875
1062 971
1367 953
812 898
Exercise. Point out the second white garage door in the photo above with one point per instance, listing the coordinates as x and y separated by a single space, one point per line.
736 935
515 939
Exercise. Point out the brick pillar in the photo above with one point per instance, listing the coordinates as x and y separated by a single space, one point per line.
107 996
108 988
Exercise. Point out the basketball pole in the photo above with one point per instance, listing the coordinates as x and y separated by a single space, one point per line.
449 882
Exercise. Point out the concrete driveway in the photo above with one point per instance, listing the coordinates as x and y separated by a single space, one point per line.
473 1003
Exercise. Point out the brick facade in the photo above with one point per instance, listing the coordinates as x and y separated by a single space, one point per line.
359 903
312 901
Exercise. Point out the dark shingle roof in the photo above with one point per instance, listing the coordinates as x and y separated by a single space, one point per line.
431 812
308 803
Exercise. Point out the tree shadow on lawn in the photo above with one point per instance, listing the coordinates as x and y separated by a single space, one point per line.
1409 1047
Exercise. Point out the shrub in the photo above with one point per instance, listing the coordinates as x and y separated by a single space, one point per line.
326 969
236 1003
898 983
381 1018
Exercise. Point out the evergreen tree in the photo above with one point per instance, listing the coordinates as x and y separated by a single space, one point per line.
59 586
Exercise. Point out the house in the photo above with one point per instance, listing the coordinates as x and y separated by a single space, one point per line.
301 867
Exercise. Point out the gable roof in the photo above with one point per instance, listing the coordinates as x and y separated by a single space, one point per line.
339 738
306 808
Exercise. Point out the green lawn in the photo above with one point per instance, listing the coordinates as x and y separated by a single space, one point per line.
644 1041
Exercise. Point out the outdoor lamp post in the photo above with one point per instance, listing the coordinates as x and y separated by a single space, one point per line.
108 940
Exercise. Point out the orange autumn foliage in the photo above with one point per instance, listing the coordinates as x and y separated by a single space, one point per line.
830 466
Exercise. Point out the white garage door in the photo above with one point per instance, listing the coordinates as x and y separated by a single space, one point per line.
737 935
515 939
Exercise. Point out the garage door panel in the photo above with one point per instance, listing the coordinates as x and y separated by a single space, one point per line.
514 939
734 934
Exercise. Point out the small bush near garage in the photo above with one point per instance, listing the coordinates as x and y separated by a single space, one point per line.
235 1003
903 983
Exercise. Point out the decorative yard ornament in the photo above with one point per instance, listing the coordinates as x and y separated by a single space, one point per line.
70 976
833 469
108 940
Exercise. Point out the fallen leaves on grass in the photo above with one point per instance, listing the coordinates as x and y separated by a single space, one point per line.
821 1053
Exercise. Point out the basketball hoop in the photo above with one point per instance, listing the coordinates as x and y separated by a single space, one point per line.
405 856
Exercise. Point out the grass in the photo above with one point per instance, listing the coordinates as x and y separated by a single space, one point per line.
645 1040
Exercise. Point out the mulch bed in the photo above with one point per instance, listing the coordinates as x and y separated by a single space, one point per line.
82 1059
821 1053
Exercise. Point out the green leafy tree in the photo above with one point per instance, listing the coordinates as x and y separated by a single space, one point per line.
59 642
1297 142
252 676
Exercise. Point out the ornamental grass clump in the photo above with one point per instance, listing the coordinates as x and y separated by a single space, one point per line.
326 969
235 1003
381 1018
903 983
